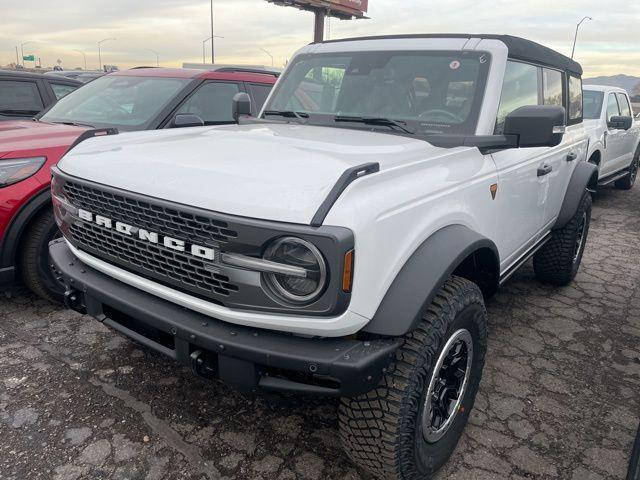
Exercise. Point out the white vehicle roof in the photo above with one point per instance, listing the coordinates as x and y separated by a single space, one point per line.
603 88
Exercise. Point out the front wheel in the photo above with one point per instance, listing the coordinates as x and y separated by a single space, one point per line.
408 426
557 262
33 262
626 182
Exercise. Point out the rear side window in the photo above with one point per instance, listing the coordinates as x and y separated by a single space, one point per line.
625 108
259 93
613 110
212 102
520 89
19 97
60 90
575 100
552 87
592 101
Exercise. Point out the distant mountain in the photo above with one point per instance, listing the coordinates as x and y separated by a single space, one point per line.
629 83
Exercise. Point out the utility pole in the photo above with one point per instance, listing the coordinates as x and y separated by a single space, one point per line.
17 58
83 56
575 38
100 52
213 48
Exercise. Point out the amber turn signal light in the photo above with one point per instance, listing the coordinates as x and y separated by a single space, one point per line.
347 271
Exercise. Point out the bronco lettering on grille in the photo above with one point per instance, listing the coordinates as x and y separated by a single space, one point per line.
146 235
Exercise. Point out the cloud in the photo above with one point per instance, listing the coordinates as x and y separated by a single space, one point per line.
176 28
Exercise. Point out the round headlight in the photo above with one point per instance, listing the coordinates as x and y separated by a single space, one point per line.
299 253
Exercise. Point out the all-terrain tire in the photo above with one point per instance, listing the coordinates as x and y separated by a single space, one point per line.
626 182
557 262
382 430
33 258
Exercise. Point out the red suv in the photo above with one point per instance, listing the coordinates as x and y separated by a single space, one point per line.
137 99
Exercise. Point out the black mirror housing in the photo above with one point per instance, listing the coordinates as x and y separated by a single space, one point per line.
182 120
536 125
620 123
241 105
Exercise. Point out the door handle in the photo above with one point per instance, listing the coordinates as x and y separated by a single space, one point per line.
572 156
544 170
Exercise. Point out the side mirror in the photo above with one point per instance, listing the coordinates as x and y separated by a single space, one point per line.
536 125
620 123
182 120
241 105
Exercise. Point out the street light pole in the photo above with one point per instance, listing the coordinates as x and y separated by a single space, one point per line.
157 56
267 52
83 56
22 50
204 60
213 48
100 52
575 38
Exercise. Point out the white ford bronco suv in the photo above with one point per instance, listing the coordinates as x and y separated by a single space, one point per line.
343 242
614 135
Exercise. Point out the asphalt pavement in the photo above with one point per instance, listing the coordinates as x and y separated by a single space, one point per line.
559 398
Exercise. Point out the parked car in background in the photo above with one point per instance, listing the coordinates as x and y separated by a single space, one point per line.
343 247
138 99
83 76
24 95
614 135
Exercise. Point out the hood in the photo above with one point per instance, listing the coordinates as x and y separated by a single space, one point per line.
21 135
279 172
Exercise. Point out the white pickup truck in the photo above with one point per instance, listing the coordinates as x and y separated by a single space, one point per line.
614 135
342 243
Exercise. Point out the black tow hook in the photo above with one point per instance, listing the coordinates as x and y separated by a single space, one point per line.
203 364
74 299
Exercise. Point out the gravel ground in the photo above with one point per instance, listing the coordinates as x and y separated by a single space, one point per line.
558 398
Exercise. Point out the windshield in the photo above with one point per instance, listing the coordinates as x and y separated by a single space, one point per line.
424 92
592 102
126 103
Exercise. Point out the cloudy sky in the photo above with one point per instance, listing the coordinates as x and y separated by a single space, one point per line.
175 28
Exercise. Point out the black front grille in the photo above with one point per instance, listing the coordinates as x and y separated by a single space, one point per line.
173 222
167 266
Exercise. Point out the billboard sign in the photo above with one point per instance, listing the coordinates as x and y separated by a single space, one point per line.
337 8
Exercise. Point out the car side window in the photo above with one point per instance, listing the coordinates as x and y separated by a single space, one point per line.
552 87
625 108
575 100
20 98
212 102
520 89
259 94
60 90
613 110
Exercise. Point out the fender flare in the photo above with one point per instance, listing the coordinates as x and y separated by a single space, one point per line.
584 177
13 234
422 276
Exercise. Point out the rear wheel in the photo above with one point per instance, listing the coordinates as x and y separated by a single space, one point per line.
33 261
626 182
408 426
557 262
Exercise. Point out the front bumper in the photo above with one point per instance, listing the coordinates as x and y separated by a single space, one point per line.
250 359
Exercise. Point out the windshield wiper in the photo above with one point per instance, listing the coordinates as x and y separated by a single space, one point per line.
287 114
76 124
383 122
65 122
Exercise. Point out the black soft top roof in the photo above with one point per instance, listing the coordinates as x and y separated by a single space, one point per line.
519 48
